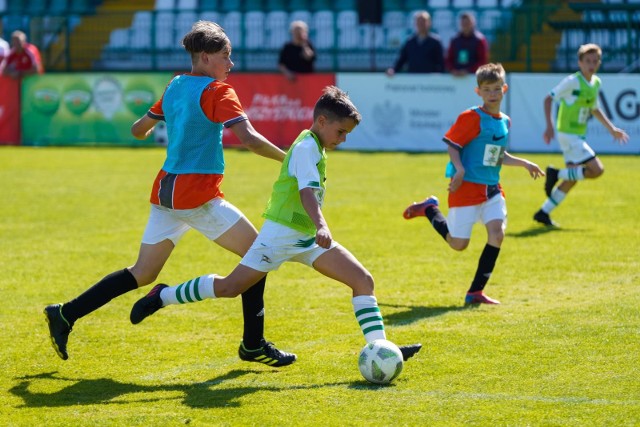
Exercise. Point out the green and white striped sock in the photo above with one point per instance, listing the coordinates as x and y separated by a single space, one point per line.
552 202
368 315
192 291
571 174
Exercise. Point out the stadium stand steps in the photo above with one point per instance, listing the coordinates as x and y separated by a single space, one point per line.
531 20
93 32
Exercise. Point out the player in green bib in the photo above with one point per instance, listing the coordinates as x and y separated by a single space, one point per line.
577 96
295 229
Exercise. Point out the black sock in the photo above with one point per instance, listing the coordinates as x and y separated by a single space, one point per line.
485 267
111 286
253 313
437 220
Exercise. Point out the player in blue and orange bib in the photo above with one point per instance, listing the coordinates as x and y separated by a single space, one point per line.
186 193
477 144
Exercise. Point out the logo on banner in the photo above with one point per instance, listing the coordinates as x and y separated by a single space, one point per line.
387 117
107 96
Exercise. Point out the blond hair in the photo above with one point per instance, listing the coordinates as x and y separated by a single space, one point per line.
589 48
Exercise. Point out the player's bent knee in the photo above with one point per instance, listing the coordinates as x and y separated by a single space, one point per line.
458 245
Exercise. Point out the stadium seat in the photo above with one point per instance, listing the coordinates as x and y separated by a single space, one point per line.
184 22
254 29
165 5
119 38
142 20
324 32
395 27
231 22
187 5
348 30
209 15
318 5
486 3
277 30
462 4
164 33
444 20
300 15
3 6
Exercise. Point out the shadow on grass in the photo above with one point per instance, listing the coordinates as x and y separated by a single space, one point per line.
415 313
100 391
538 230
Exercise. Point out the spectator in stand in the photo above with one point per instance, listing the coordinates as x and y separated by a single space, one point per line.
469 49
23 59
297 55
422 52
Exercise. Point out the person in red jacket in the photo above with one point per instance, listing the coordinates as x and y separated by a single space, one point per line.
23 59
469 49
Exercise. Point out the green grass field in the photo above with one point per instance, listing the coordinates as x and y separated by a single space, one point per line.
562 349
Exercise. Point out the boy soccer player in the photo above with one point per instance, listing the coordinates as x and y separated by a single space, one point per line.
577 95
186 192
477 148
294 230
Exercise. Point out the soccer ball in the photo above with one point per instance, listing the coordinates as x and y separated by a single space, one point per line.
380 361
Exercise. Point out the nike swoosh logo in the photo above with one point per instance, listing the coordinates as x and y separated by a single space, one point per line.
497 138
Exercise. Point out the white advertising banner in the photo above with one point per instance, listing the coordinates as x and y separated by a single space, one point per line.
619 100
412 112
406 112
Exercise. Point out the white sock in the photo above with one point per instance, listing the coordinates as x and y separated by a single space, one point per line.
368 316
571 174
192 291
552 202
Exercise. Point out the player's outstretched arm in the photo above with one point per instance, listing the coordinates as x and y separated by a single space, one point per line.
534 169
618 134
254 141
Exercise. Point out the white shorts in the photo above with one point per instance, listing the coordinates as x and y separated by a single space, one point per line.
277 243
574 148
461 220
211 219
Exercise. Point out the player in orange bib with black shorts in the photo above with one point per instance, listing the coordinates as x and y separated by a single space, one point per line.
477 144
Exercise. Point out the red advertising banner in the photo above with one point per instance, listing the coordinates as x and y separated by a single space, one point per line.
9 111
278 108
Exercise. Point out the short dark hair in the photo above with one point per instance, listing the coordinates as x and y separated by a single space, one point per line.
206 36
336 105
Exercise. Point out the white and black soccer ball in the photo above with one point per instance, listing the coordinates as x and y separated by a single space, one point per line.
380 361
